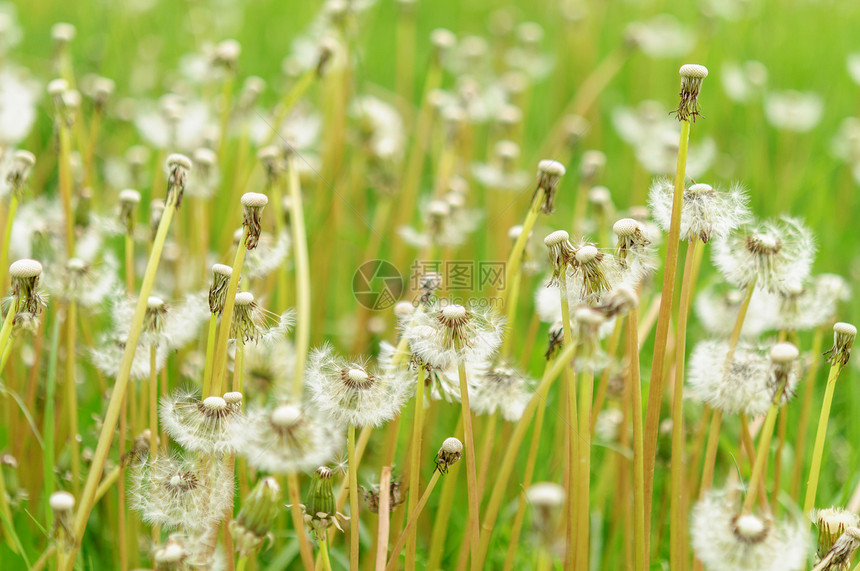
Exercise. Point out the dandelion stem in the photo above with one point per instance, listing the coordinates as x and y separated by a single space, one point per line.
655 390
443 512
806 410
129 263
414 465
303 277
153 402
640 540
119 392
384 518
762 452
413 520
239 367
7 239
298 522
65 183
71 400
515 258
219 367
677 498
471 470
210 355
49 420
353 499
326 564
820 436
8 322
506 467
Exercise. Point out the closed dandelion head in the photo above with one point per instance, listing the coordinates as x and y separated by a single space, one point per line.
500 389
218 289
446 334
210 426
593 273
351 393
726 540
692 76
24 275
178 167
19 171
100 91
289 439
172 491
843 340
548 176
254 521
707 213
561 253
620 301
253 204
832 523
320 511
776 255
449 453
838 558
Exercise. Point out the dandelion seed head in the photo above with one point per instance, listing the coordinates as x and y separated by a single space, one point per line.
832 523
63 32
843 340
209 426
706 213
449 453
500 389
62 502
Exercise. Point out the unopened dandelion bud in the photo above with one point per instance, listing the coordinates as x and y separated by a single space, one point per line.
254 521
832 523
549 174
843 340
449 453
320 512
253 204
178 167
218 289
25 282
591 166
19 170
692 76
63 506
838 558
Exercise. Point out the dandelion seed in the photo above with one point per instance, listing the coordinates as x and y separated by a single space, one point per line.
776 255
172 492
561 253
89 285
593 273
838 558
707 213
726 540
634 247
811 305
290 439
209 426
350 393
501 389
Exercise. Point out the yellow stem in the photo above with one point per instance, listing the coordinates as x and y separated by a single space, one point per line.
414 465
210 355
413 519
72 395
219 366
820 435
353 499
303 277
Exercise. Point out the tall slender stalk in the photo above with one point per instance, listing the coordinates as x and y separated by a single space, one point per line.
353 499
219 363
414 465
71 394
118 394
298 522
820 436
640 539
471 470
574 477
413 520
303 277
805 411
384 518
678 493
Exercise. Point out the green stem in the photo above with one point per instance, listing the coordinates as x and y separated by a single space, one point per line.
640 539
655 391
574 478
805 411
118 394
326 563
7 239
153 402
471 470
353 499
413 519
72 395
820 436
219 367
239 367
210 355
761 454
443 513
6 332
414 465
49 419
678 493
492 511
303 277
512 268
